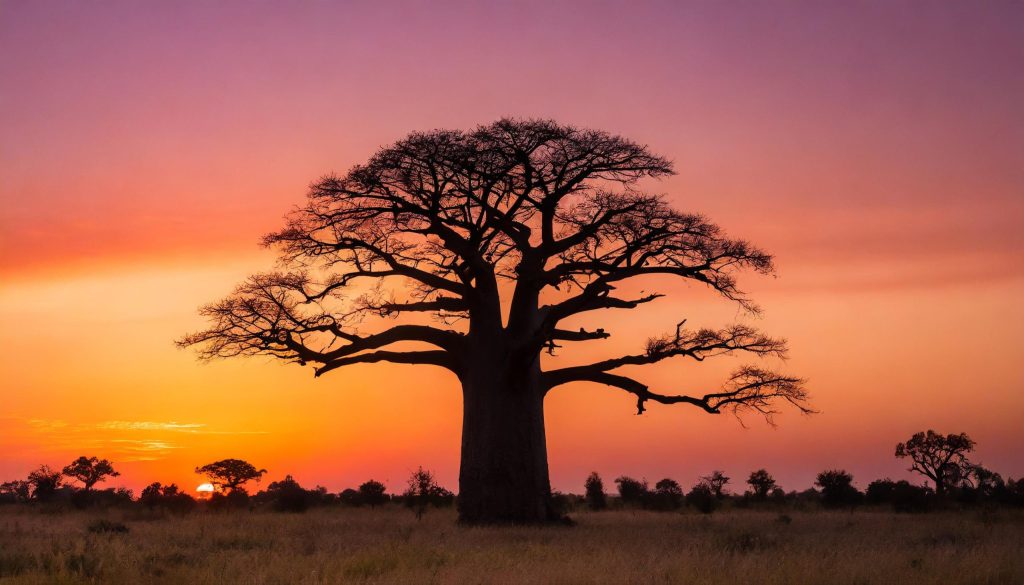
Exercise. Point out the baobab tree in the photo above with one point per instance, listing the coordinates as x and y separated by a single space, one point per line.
493 246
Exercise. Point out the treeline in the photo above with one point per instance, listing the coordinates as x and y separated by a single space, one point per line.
941 459
74 486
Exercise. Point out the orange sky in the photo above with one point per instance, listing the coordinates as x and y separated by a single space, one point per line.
877 150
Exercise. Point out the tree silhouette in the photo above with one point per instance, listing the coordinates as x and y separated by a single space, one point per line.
373 493
668 494
44 482
942 459
716 483
422 490
837 488
761 484
594 489
90 471
632 491
489 243
230 474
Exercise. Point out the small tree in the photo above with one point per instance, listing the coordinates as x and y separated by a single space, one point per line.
45 482
837 488
631 491
942 459
703 498
168 497
15 491
761 484
716 483
422 491
668 494
230 474
287 495
373 493
595 496
90 471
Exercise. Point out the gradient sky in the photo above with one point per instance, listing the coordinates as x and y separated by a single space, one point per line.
877 148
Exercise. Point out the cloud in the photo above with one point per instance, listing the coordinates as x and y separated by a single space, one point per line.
127 425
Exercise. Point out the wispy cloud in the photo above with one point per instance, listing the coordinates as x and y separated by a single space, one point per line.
129 425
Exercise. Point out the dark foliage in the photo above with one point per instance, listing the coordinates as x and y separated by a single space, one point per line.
632 492
230 474
89 471
837 489
703 498
594 492
761 484
667 495
167 498
373 493
44 482
940 458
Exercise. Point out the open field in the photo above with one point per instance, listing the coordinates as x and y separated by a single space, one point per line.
390 546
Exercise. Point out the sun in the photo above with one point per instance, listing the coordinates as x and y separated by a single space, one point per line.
205 489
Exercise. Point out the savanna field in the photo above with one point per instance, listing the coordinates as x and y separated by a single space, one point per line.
389 545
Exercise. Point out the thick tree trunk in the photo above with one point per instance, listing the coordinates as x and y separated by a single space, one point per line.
504 473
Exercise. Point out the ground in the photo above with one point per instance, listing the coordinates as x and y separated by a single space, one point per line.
389 545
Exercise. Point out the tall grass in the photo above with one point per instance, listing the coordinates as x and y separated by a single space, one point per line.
389 546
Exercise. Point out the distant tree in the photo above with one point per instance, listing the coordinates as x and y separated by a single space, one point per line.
287 495
702 498
423 491
350 497
668 495
230 474
837 488
442 221
15 491
45 482
594 486
167 497
716 482
631 491
940 458
761 484
89 471
373 493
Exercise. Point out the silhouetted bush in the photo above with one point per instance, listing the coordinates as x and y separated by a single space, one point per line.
350 497
13 492
168 498
44 482
288 496
632 492
667 495
901 495
716 483
837 489
594 486
761 484
423 491
373 494
236 499
703 498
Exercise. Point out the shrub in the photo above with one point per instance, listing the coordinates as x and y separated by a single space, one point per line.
703 498
594 486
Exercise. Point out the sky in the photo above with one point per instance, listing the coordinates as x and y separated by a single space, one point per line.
876 148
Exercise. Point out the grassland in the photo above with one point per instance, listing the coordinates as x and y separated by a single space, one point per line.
390 546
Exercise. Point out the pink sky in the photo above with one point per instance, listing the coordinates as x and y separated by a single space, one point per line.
877 148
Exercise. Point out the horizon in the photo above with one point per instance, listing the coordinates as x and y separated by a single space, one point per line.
873 149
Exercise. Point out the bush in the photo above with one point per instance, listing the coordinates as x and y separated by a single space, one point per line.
703 498
288 496
668 495
596 500
631 491
837 489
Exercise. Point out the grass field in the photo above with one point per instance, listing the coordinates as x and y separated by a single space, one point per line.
389 545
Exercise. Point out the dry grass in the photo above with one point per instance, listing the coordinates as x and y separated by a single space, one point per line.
390 546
